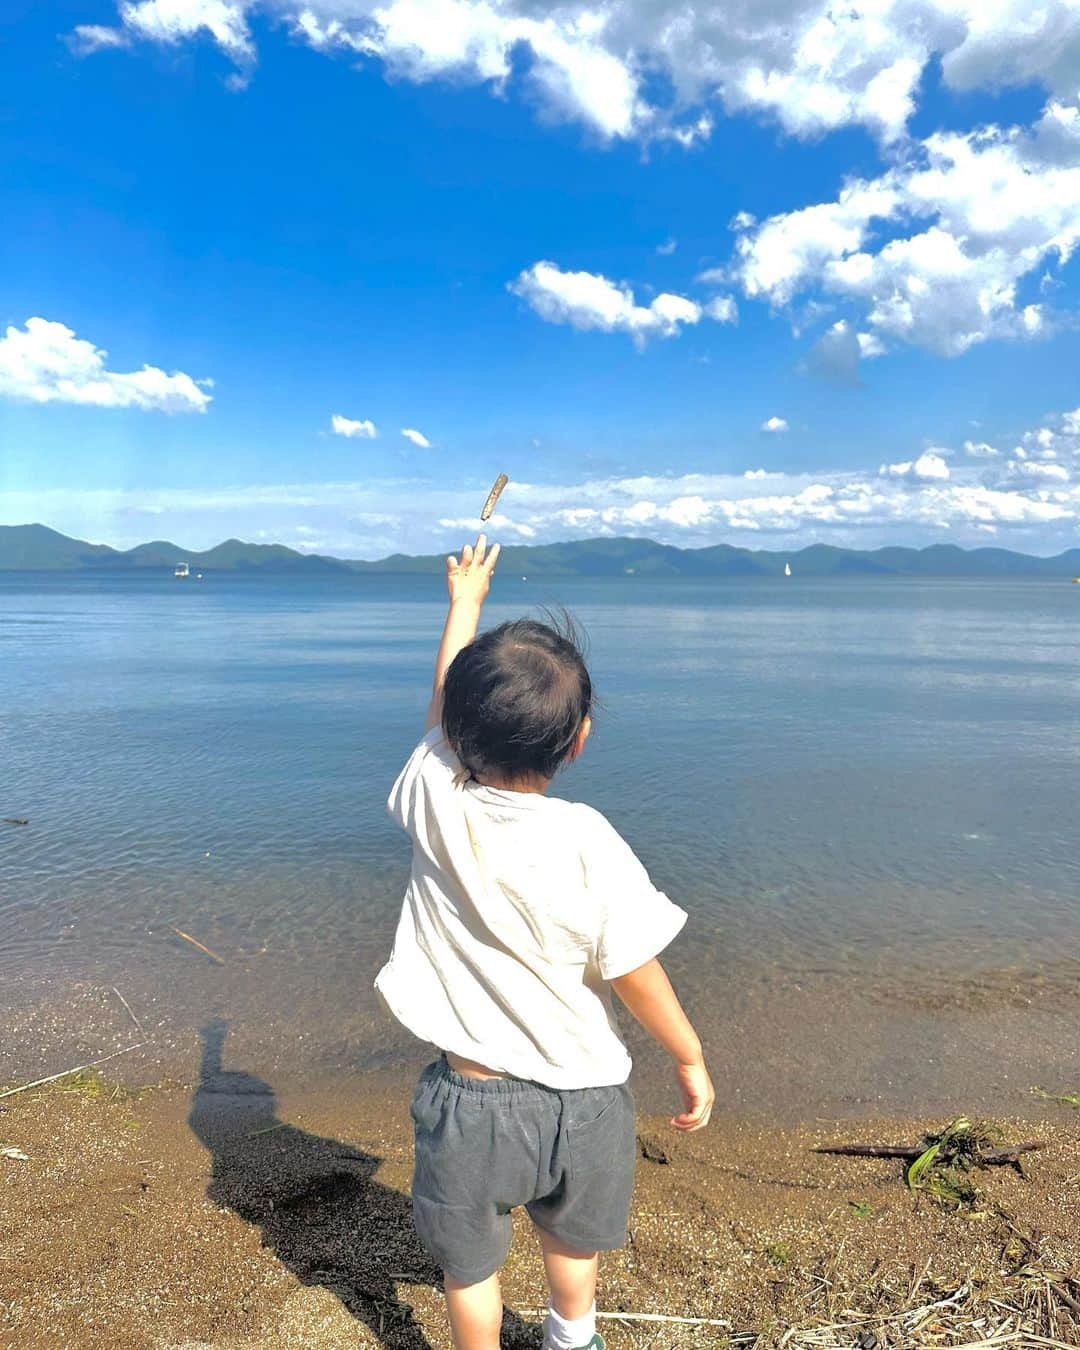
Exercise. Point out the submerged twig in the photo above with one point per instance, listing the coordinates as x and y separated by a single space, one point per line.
127 1005
40 1082
207 951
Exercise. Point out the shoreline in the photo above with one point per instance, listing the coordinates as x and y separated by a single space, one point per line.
227 1214
789 1050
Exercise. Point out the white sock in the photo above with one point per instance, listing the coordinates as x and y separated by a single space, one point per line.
562 1333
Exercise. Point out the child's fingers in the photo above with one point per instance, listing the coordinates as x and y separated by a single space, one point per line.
451 563
466 555
481 548
493 557
692 1120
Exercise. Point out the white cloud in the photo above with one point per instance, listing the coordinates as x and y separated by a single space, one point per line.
345 426
87 38
1035 471
774 424
586 300
980 450
417 437
667 247
173 21
45 362
971 216
496 524
812 65
722 308
927 468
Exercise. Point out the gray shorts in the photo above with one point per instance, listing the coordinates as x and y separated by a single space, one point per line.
486 1145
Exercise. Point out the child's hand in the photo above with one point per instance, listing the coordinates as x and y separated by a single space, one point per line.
469 577
698 1095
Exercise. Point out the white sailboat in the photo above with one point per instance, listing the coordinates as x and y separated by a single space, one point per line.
787 569
181 570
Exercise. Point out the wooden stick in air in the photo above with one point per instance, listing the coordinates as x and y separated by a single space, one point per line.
493 495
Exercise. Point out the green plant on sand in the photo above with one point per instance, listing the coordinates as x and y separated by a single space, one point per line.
941 1168
1062 1098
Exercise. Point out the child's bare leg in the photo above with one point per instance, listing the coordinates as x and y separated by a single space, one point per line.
571 1276
475 1313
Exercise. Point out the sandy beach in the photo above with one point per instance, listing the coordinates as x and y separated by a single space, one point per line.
235 1213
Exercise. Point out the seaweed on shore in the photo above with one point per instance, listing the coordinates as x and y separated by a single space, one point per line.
940 1163
1062 1098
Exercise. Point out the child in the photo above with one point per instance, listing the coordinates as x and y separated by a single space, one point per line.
521 914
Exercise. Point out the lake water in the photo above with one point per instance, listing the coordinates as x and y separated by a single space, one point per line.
864 792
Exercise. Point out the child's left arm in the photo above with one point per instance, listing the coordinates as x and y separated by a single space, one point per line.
467 580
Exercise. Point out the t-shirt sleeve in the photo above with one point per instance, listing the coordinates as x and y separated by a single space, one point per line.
430 768
637 920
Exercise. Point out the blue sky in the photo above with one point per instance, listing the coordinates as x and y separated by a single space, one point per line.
805 280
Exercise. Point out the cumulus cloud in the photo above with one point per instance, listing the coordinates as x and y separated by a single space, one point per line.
926 498
928 467
586 300
173 21
812 65
495 524
345 426
774 424
417 437
936 250
44 362
722 308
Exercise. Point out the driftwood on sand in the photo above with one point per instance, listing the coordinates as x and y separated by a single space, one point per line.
994 1157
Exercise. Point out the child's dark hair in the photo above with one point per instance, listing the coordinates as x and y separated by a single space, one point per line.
515 698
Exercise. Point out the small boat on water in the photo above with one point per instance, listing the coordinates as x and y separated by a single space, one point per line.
181 570
787 569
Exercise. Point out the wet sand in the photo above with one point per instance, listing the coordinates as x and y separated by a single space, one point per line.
238 1212
790 1044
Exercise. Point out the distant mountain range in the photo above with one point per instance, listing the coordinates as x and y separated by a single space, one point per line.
37 548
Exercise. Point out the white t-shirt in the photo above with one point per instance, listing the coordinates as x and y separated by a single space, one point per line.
519 909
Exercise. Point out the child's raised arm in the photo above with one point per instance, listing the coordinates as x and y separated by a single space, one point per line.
467 580
648 994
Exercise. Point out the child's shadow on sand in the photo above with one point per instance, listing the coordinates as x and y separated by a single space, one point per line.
317 1203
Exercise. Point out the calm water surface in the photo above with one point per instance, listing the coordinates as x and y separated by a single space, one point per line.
865 792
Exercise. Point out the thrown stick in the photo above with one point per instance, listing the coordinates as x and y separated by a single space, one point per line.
207 951
40 1082
127 1005
493 496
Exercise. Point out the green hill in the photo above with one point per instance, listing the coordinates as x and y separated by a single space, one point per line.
643 557
37 548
